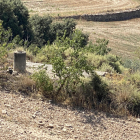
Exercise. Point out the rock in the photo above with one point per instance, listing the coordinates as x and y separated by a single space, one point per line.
50 126
75 137
138 120
34 116
50 101
100 73
22 100
64 129
7 105
50 107
60 126
41 123
68 125
9 70
15 73
4 112
37 113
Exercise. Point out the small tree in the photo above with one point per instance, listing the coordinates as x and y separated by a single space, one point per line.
100 48
69 77
15 16
66 27
41 29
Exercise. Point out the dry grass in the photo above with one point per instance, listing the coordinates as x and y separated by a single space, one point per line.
19 83
26 85
123 36
74 7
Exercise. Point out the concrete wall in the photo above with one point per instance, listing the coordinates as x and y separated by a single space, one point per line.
112 16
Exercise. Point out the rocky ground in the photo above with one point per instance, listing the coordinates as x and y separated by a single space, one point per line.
27 118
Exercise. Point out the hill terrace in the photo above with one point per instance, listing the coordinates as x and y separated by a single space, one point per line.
109 16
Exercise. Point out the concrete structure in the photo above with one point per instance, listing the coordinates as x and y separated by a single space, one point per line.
20 61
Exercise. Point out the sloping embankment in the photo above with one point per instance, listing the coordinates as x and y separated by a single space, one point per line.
111 16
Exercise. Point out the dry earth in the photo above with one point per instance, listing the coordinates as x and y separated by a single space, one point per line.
76 7
29 118
123 36
26 118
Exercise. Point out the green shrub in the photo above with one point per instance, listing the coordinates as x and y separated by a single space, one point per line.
46 53
43 83
100 48
3 55
34 49
5 35
66 27
91 93
95 60
105 67
114 62
132 64
41 29
15 16
80 39
134 79
125 99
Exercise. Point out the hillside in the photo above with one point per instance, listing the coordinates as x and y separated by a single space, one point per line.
123 36
74 7
70 107
22 117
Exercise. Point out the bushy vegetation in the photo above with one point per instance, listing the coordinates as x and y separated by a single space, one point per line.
74 60
43 83
15 16
132 64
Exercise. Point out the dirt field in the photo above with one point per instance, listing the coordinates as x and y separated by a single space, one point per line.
77 7
123 36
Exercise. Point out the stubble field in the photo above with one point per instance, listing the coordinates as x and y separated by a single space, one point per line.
123 36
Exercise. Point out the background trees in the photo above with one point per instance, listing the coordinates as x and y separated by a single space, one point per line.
15 16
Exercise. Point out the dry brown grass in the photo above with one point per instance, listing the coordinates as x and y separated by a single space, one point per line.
20 83
74 7
123 36
26 85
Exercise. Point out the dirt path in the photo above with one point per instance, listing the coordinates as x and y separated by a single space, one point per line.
27 118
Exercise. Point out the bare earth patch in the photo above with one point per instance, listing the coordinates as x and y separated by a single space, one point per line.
27 118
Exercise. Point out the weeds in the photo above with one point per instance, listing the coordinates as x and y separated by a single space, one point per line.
43 83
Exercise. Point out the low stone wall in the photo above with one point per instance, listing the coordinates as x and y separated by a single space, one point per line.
113 16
